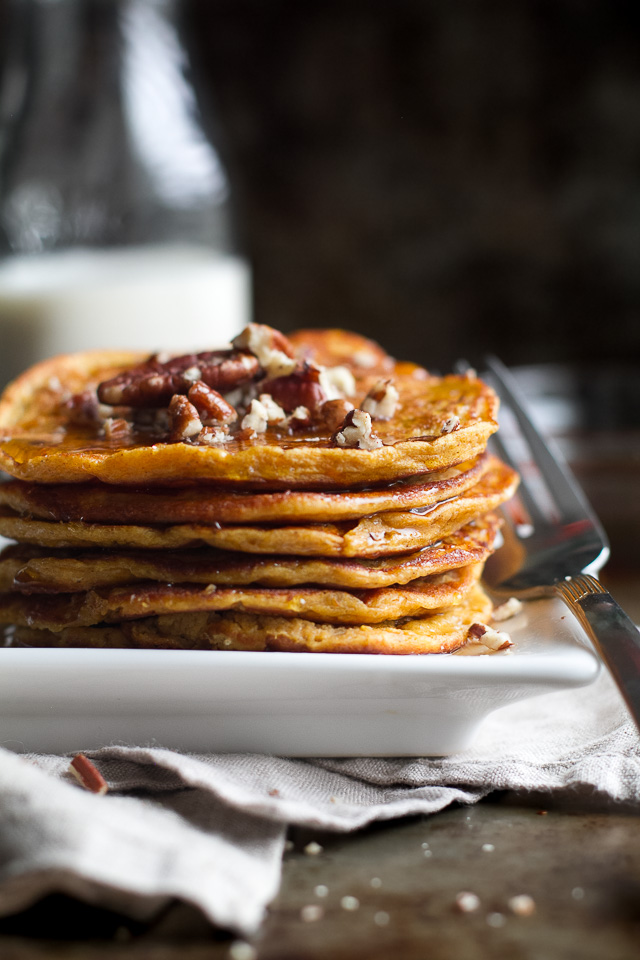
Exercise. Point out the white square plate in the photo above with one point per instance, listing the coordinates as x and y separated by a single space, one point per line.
293 704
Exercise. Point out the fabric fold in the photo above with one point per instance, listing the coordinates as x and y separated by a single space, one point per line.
209 830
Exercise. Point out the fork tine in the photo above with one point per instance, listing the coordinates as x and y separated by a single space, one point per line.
558 478
523 493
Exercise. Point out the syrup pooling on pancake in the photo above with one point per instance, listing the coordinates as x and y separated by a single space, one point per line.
106 503
436 423
305 494
381 535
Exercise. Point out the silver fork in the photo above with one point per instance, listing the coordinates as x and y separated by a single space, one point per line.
560 543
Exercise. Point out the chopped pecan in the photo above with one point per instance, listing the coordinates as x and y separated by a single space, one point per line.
210 404
476 631
337 382
332 413
365 357
488 637
262 412
116 429
510 608
83 409
183 418
382 400
356 432
87 774
152 384
450 424
299 419
275 413
272 349
256 420
212 436
301 388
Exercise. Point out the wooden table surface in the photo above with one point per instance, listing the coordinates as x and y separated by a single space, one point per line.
578 862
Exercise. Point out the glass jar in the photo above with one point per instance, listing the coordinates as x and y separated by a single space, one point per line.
115 210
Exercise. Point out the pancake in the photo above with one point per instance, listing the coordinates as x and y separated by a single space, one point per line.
36 570
437 423
441 632
201 503
381 535
53 612
306 494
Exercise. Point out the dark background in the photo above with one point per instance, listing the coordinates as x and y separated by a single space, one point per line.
448 177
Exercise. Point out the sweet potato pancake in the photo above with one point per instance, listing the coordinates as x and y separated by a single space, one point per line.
380 535
308 493
205 504
440 632
432 422
28 569
53 612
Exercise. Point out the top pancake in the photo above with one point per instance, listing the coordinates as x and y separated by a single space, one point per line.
39 444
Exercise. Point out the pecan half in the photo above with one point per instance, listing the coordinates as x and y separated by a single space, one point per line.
301 388
152 384
210 404
183 418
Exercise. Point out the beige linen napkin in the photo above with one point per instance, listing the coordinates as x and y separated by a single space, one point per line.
209 830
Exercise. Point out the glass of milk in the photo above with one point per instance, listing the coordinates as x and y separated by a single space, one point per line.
115 209
175 298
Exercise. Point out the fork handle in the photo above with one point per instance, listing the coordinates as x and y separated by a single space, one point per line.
615 636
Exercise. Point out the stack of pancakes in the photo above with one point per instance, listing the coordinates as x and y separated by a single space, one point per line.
300 494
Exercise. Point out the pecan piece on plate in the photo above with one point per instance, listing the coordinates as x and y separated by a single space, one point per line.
488 637
153 384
